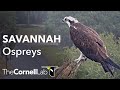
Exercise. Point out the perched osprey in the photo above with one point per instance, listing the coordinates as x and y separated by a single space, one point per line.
89 43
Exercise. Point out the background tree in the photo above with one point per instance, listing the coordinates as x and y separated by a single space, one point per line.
7 26
31 17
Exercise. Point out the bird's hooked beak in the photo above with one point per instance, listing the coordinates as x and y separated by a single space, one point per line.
63 21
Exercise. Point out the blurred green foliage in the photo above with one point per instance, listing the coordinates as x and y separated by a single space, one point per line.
7 21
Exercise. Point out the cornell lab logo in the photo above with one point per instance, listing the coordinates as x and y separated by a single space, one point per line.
51 70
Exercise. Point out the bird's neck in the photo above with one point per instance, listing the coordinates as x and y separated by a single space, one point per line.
75 24
68 23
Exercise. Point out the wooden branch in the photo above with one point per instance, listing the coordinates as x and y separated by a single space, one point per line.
68 70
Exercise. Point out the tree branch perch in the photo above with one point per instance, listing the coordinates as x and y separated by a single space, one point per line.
68 69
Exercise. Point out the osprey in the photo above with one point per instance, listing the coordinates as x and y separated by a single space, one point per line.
90 44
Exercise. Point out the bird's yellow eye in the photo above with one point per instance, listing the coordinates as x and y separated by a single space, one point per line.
65 19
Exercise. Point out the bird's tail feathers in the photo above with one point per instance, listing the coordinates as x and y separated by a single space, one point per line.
108 65
109 61
107 68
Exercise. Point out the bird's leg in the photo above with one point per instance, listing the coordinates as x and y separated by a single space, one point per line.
82 56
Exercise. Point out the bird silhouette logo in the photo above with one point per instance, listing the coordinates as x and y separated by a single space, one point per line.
51 70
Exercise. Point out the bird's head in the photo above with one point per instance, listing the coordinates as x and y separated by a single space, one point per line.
70 20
